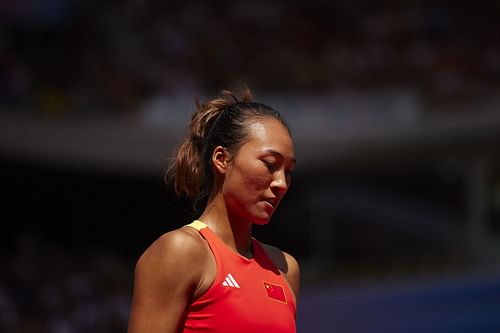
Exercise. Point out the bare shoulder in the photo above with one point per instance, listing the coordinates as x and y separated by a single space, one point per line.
158 290
185 240
178 252
284 261
287 264
179 247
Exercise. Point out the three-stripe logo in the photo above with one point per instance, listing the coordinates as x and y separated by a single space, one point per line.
230 281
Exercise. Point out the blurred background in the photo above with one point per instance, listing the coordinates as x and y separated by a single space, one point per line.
394 212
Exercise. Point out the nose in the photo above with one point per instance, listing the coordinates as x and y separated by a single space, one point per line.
280 182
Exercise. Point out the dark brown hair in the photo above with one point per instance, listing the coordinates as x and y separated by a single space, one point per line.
222 121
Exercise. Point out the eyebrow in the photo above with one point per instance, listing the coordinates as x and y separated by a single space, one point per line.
277 153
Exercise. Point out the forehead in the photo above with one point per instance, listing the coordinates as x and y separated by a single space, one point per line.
270 134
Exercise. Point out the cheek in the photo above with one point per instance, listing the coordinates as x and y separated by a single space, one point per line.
257 183
256 178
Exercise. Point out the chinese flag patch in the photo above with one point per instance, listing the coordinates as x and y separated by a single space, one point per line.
275 292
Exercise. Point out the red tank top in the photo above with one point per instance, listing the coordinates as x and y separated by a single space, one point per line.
247 295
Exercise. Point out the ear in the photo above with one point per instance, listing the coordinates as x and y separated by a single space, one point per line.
220 159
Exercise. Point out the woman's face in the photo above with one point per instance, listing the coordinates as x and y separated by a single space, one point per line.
259 175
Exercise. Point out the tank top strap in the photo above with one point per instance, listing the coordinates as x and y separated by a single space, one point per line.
207 234
198 225
212 241
217 246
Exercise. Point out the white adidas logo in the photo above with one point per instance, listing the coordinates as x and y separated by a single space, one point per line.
230 282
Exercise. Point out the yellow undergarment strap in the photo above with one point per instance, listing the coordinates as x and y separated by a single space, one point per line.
198 225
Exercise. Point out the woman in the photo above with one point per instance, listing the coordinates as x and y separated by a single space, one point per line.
211 275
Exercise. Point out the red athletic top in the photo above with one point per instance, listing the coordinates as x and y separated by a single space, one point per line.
247 296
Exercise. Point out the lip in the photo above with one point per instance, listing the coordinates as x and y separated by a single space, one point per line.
271 201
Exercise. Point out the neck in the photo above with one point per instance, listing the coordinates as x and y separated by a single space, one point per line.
236 234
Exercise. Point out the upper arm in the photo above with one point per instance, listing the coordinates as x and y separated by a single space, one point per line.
293 274
160 296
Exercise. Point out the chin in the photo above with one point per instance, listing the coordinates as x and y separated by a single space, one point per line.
262 220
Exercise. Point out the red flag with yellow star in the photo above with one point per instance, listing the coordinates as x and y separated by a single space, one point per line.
275 292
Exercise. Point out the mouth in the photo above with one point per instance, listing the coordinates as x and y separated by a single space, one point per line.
272 202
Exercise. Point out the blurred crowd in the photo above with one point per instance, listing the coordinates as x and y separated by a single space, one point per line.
115 55
46 289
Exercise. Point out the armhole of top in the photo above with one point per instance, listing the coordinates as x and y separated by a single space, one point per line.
204 231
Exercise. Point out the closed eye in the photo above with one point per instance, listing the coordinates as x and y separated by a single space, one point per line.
272 166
